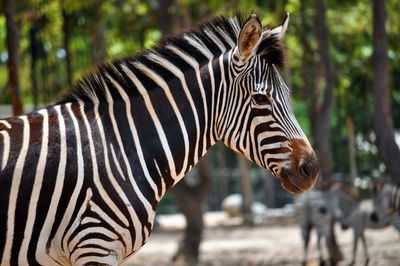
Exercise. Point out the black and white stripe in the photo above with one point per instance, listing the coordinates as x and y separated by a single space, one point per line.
315 213
81 179
357 214
342 204
389 198
352 212
386 200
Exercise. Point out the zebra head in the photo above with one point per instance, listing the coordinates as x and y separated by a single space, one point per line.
268 133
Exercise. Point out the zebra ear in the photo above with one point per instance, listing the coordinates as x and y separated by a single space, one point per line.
280 30
249 38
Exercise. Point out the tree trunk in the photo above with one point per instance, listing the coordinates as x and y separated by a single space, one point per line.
322 138
35 52
67 36
383 121
190 200
340 138
99 45
308 70
182 19
201 9
224 188
371 167
269 194
164 18
247 190
13 57
335 255
352 151
186 15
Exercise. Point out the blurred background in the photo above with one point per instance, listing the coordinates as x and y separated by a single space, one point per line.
343 69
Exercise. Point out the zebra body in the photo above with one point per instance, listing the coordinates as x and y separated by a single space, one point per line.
80 180
352 212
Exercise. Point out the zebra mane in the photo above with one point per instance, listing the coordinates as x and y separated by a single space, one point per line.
217 36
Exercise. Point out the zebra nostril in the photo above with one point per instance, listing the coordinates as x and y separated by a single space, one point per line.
304 171
308 168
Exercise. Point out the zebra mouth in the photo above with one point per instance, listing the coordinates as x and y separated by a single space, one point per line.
290 185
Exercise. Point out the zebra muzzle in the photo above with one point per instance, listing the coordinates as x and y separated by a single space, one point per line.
303 172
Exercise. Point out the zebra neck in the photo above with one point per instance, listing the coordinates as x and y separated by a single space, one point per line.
162 124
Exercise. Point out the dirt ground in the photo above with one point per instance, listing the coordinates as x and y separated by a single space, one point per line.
225 245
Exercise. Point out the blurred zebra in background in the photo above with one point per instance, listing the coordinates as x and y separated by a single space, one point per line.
352 212
315 214
341 204
386 202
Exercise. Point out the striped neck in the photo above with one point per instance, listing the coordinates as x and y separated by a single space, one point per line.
163 119
167 99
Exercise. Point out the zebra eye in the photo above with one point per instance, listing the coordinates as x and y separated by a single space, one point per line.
261 99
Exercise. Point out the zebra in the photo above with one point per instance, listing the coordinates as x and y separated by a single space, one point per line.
342 204
352 212
315 214
81 179
386 204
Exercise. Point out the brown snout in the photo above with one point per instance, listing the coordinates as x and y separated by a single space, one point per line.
302 174
309 168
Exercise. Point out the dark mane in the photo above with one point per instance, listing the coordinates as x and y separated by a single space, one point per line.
218 30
